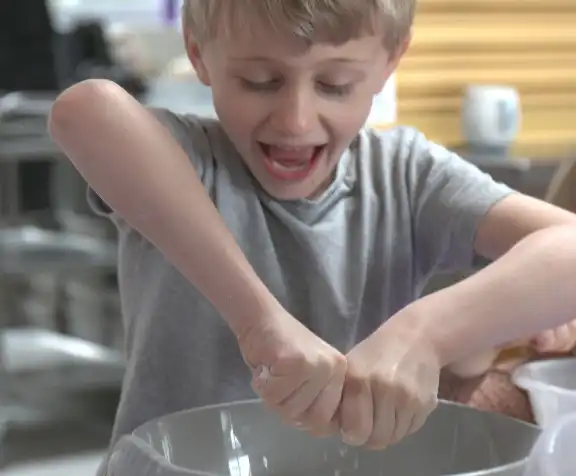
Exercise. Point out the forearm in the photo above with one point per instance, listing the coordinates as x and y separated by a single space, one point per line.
141 172
529 289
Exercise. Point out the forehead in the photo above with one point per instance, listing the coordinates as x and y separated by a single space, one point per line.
322 21
290 51
258 41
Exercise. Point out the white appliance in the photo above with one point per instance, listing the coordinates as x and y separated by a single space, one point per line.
491 116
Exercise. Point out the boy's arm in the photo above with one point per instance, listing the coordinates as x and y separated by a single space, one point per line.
529 288
512 220
141 172
506 224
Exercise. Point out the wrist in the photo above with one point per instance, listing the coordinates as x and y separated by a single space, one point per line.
429 322
253 306
411 326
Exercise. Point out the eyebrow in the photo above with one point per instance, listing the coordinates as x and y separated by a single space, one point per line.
260 59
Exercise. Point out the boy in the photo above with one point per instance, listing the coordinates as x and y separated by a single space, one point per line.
290 231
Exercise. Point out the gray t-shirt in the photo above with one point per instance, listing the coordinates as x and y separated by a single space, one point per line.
399 210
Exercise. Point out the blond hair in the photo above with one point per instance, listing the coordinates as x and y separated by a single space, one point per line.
332 21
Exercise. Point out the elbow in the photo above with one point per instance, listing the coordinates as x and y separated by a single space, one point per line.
74 108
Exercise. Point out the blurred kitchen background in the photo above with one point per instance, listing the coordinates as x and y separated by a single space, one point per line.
493 79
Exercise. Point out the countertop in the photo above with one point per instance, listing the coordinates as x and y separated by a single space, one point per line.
62 444
83 464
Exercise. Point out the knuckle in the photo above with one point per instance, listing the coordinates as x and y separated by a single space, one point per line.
324 365
381 384
406 392
332 361
339 361
354 373
286 363
353 386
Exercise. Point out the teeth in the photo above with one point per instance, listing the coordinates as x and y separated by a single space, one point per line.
290 159
291 149
288 168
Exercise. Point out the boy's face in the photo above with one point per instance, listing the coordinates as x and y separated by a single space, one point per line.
291 110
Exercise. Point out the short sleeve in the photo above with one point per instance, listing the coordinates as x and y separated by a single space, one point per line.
449 196
191 132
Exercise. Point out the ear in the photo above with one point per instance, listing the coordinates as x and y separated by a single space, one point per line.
194 53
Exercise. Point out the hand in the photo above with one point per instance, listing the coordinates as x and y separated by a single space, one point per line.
391 387
559 340
295 372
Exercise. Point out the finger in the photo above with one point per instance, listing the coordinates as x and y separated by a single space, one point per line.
384 420
557 340
563 339
566 337
321 415
572 327
274 389
406 409
421 416
356 411
328 430
295 406
544 342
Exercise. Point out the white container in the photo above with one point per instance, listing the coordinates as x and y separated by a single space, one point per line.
491 115
551 387
553 454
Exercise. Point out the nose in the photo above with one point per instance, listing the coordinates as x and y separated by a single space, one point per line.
295 113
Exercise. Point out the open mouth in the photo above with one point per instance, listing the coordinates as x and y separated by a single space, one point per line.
291 163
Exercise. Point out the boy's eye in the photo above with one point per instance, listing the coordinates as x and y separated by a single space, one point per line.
335 89
275 84
271 85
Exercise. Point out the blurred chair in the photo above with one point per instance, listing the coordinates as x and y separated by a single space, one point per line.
562 190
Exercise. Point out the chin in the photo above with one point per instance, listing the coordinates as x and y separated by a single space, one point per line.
308 188
287 192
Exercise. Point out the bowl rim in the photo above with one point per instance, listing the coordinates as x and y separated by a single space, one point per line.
519 464
520 376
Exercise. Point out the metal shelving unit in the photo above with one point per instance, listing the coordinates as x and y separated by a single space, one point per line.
37 364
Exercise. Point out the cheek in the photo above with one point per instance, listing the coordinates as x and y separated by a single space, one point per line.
238 111
347 125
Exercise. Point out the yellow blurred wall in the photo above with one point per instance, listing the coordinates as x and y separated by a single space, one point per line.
529 44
